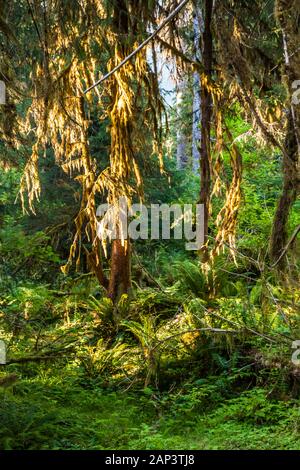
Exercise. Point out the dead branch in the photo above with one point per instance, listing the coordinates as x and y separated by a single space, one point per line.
289 243
141 46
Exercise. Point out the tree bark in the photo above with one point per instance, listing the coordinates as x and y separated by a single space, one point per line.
96 267
288 19
120 274
181 154
198 30
288 197
206 111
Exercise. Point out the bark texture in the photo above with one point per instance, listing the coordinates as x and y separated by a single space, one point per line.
206 111
288 14
198 30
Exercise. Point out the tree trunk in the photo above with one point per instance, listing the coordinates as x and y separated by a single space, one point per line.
206 111
120 274
182 158
96 266
120 266
288 19
289 195
198 30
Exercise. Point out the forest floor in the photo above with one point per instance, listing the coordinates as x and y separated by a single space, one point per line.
43 413
75 383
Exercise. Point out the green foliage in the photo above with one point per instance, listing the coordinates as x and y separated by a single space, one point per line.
64 411
192 279
101 360
190 360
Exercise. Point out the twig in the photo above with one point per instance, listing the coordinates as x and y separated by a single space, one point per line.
141 46
197 66
35 23
19 360
207 312
292 239
58 353
255 262
277 304
211 330
244 276
147 272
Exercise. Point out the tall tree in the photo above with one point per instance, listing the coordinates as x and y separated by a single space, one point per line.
288 16
181 148
196 135
72 42
206 117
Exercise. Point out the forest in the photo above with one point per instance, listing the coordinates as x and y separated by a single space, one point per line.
176 326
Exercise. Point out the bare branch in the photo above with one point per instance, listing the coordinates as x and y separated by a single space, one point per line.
292 239
141 46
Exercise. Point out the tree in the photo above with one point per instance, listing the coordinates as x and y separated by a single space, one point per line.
288 13
71 43
206 117
196 135
181 149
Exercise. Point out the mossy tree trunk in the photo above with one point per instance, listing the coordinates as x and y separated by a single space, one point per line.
288 13
206 117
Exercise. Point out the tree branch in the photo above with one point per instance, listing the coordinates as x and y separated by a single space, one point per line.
292 239
141 46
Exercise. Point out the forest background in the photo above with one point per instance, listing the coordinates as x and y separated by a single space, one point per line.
119 344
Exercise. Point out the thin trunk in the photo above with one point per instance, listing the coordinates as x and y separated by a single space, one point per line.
181 153
196 123
198 30
289 195
96 266
206 111
289 23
